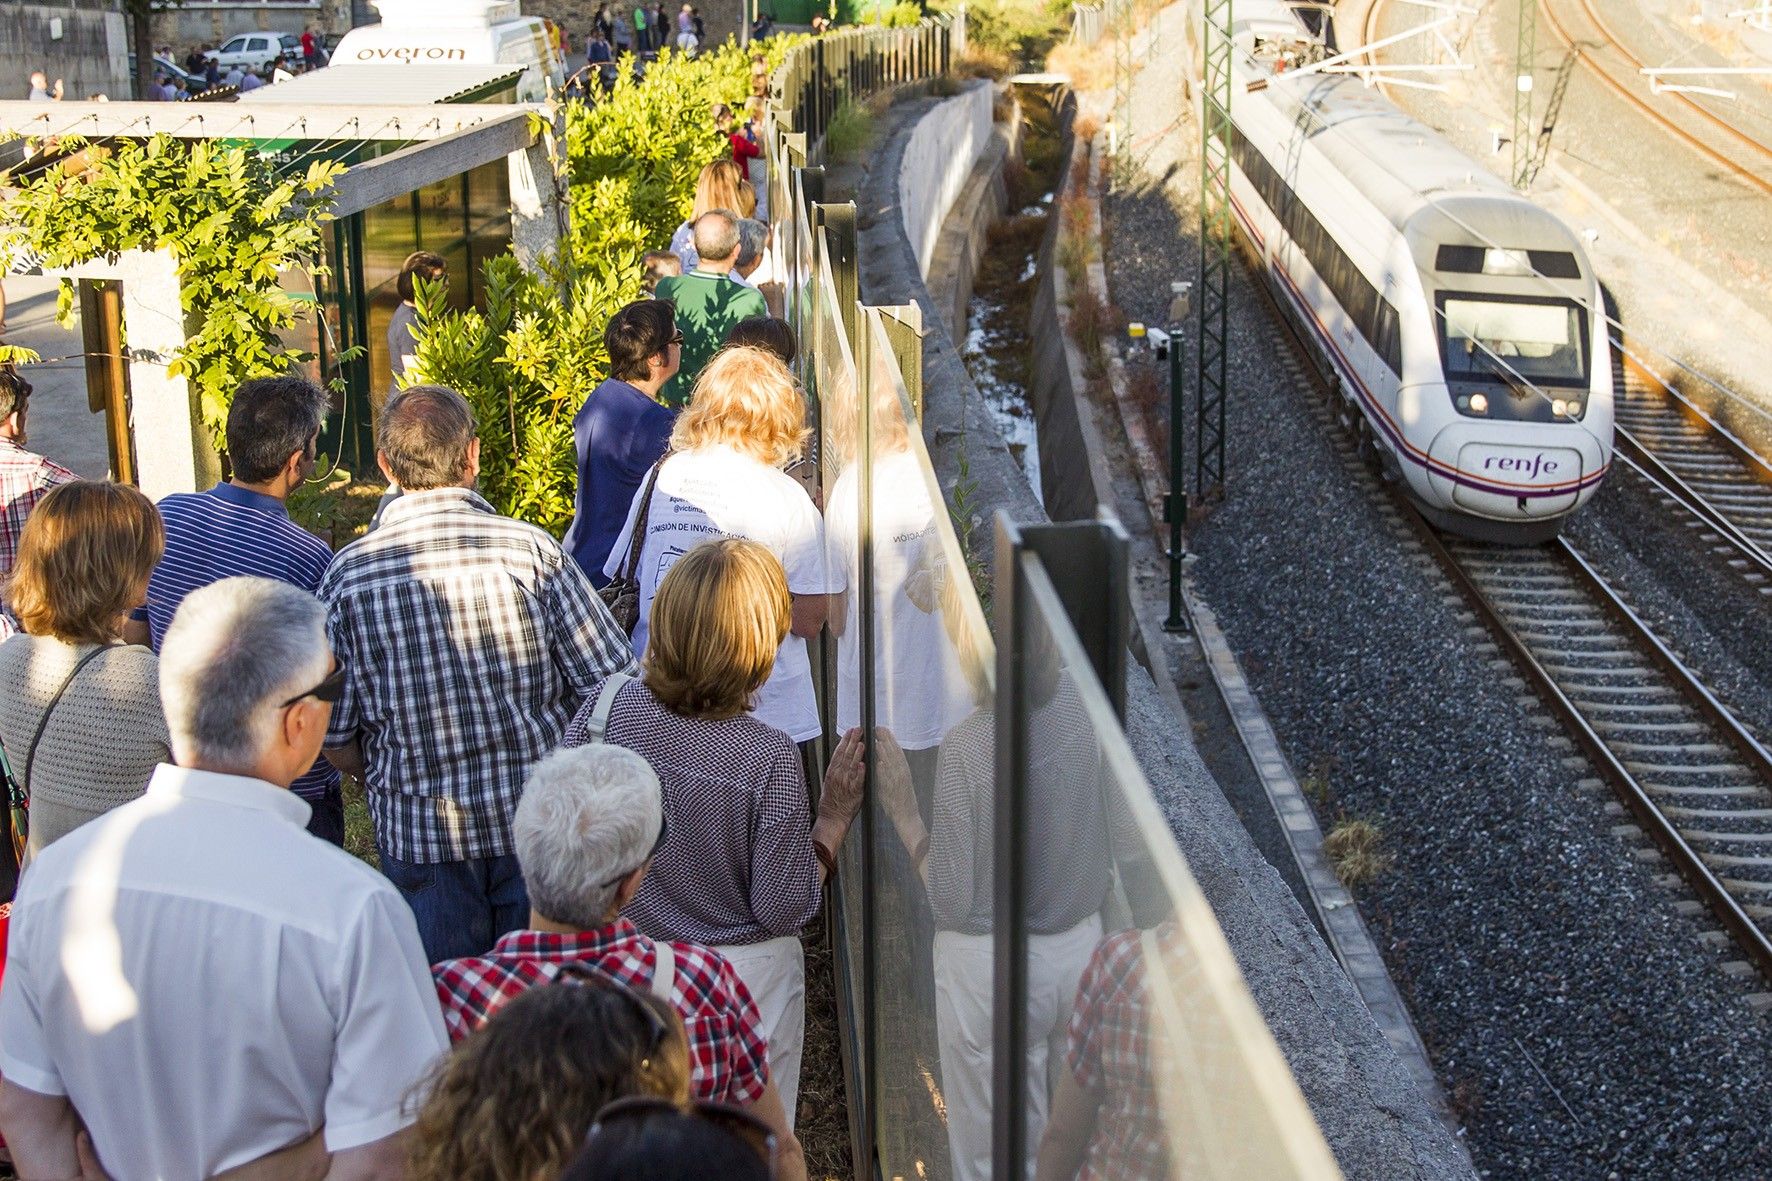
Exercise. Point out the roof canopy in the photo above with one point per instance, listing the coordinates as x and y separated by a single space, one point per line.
391 84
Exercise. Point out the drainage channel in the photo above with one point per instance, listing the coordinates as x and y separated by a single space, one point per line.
997 349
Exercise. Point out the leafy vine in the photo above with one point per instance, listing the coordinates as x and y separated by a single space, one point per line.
230 220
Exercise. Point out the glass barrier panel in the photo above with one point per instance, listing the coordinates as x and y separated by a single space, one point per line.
1161 1065
831 381
928 711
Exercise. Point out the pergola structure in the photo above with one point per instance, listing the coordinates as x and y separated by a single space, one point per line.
439 140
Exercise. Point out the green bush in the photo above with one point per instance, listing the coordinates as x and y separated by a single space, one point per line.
1023 30
851 125
229 219
529 361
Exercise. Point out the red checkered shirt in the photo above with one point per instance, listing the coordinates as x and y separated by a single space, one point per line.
24 477
1109 1053
728 1056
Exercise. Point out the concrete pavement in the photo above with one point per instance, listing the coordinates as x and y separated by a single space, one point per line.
59 424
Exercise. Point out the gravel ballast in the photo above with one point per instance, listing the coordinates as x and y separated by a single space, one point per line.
1577 1018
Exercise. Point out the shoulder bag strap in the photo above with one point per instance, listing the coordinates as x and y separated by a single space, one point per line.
664 971
638 540
43 722
599 722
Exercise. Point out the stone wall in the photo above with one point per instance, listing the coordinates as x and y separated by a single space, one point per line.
197 24
938 159
86 46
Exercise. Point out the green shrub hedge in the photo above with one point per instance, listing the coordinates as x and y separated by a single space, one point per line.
528 363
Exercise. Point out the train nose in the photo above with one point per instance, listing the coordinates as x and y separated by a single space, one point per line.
1482 470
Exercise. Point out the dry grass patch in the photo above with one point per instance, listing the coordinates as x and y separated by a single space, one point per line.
1356 849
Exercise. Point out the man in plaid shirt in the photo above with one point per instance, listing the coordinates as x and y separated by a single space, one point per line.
1108 1120
470 640
24 475
589 823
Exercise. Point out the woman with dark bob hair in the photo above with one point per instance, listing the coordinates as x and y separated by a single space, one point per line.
512 1101
81 719
743 864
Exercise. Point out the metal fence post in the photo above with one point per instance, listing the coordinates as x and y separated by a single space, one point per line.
1088 562
839 226
1010 936
870 964
1075 557
904 331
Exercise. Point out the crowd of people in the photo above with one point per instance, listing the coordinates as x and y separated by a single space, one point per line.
592 770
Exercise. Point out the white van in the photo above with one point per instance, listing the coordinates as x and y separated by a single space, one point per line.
458 32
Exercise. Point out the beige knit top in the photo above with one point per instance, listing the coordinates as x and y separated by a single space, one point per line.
102 742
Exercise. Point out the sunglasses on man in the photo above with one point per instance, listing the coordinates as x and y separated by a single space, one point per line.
329 690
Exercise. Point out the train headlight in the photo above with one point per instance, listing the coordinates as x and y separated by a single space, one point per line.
1479 403
1559 408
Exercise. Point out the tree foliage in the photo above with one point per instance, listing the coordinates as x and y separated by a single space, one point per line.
231 222
532 358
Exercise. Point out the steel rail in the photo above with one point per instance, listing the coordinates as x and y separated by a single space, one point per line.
1727 439
1697 143
1637 63
1735 920
1647 465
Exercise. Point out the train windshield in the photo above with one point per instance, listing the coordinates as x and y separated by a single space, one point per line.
1537 340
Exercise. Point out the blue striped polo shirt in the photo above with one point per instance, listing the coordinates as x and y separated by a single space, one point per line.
224 532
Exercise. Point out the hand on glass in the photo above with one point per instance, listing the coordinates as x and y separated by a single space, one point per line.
843 779
892 780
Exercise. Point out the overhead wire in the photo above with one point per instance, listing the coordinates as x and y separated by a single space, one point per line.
1600 313
1316 116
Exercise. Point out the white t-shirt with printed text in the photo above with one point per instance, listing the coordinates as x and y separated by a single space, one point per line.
719 492
920 687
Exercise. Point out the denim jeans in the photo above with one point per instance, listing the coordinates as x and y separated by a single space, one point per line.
462 907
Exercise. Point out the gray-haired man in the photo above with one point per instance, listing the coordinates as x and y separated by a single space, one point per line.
590 820
709 300
267 988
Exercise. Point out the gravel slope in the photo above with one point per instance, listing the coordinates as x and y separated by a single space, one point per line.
1576 1017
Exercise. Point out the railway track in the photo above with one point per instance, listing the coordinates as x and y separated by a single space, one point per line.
1581 27
1696 781
1701 463
1587 34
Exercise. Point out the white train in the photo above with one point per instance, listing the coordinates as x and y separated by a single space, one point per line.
1458 317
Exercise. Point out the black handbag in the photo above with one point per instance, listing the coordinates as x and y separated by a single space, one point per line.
622 595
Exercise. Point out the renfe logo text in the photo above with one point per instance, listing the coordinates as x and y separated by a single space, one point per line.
1520 465
412 53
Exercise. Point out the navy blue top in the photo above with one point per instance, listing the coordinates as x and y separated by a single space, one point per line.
227 531
620 434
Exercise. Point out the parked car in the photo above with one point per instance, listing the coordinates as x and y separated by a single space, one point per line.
194 83
252 51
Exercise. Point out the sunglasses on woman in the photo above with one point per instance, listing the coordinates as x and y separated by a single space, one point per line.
733 1121
579 974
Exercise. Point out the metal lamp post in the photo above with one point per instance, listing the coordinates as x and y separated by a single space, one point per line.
1167 343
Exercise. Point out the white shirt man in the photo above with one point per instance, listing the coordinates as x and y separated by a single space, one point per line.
193 977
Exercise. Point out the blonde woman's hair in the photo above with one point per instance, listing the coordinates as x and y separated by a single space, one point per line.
83 558
746 399
717 620
722 185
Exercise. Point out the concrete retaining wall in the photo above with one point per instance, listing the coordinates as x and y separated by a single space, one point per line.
1376 1121
87 49
938 159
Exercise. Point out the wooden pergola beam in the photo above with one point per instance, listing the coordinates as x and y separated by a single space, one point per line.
420 164
265 121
